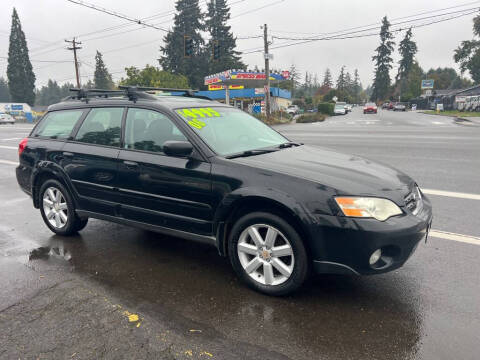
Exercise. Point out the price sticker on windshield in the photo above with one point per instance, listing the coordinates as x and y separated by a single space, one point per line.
195 116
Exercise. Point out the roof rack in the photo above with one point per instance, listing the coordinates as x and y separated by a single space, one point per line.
132 92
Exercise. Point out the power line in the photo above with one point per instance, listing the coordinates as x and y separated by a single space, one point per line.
114 13
256 9
342 34
394 19
378 27
43 61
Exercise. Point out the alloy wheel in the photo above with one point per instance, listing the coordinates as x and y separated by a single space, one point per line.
265 254
55 207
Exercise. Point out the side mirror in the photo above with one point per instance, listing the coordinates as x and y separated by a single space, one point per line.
177 148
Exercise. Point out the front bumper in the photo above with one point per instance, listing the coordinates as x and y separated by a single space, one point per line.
344 245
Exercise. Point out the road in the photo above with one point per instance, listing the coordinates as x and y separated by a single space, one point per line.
118 292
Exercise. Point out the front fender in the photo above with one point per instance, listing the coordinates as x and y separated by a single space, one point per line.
256 195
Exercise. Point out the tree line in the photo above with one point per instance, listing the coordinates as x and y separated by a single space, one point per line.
407 83
209 31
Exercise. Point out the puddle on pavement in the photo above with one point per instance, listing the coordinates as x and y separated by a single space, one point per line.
182 282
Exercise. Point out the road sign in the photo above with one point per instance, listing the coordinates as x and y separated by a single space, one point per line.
427 84
335 98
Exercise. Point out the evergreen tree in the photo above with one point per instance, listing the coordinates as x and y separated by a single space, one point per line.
356 87
407 50
188 21
49 94
383 63
218 14
341 81
468 53
101 77
327 79
4 91
21 79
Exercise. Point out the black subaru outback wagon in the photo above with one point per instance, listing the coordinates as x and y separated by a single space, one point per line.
204 171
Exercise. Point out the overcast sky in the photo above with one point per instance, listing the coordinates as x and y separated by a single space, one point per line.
47 23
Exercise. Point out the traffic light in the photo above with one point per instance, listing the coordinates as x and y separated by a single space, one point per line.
187 46
216 50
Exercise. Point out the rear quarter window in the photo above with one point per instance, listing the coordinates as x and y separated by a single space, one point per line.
58 124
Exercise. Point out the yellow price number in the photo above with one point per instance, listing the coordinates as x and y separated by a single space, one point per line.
194 116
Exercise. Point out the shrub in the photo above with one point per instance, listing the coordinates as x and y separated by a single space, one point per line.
310 118
326 108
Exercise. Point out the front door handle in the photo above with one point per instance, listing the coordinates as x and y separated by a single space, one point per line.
132 165
67 154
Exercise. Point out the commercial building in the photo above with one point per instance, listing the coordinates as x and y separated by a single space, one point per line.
246 89
20 111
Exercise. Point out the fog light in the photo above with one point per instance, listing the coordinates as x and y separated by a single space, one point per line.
376 255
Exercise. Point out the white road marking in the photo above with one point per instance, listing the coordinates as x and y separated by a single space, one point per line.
11 139
7 162
452 194
454 237
9 147
437 122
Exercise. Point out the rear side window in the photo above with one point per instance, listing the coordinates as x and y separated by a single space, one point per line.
147 130
102 126
58 124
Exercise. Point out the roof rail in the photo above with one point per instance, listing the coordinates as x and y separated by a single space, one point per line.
85 94
132 92
188 92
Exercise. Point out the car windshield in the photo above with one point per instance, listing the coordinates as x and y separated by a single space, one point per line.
370 104
339 106
230 131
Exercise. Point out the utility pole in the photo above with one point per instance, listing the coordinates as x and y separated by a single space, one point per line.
75 48
267 72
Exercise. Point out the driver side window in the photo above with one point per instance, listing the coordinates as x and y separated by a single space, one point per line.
147 130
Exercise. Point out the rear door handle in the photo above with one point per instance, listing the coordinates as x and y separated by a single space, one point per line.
132 165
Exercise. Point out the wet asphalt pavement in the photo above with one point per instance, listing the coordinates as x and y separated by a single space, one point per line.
117 292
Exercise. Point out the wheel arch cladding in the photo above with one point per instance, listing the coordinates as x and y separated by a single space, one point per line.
47 171
255 203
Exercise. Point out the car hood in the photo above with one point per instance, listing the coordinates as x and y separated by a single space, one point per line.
347 174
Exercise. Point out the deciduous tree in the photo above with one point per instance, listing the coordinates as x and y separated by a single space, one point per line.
155 77
468 53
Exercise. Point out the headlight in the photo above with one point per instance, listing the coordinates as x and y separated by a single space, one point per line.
380 209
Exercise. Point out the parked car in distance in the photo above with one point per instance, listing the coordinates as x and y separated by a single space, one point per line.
399 106
370 108
348 107
193 168
339 109
6 119
293 109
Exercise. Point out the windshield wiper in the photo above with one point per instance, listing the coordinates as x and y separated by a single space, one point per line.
250 153
288 144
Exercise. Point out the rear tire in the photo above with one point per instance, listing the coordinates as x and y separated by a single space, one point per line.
57 209
268 254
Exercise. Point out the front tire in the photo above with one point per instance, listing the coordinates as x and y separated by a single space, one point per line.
57 209
268 254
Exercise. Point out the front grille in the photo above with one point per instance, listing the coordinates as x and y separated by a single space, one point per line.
413 200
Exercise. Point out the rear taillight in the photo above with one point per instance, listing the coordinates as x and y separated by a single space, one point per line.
22 146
